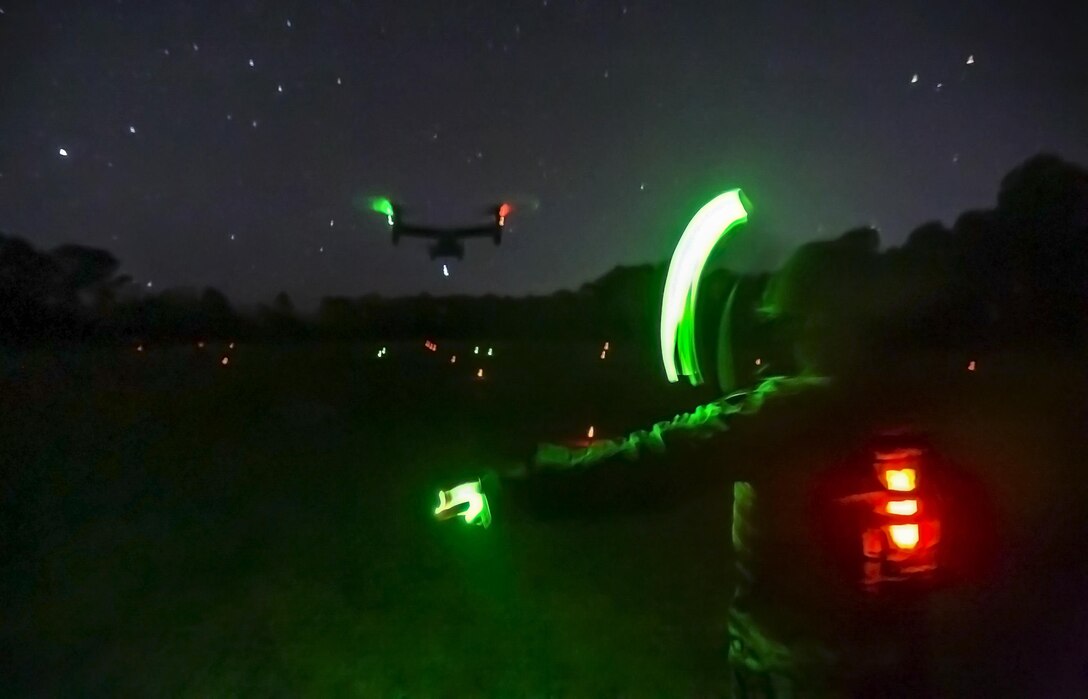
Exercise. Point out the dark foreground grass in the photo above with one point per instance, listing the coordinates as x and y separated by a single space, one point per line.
175 527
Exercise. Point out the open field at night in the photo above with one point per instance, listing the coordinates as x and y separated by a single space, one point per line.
173 526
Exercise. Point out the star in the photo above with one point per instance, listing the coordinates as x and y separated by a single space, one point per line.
288 24
132 129
339 81
251 64
232 236
331 221
253 123
195 47
913 78
63 152
971 59
279 88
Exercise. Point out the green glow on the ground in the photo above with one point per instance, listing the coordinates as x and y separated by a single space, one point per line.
712 223
469 494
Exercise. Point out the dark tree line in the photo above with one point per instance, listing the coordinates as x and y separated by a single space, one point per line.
1016 273
1013 275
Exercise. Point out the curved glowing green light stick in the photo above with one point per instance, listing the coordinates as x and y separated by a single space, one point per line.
470 494
712 223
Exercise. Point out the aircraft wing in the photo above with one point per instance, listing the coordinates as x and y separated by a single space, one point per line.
473 232
420 232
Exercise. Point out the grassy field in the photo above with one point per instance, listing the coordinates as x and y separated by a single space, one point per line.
173 526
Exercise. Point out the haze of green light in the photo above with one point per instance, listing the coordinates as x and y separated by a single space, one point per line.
382 205
471 494
712 223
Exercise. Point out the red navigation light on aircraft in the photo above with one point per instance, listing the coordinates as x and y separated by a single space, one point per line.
503 212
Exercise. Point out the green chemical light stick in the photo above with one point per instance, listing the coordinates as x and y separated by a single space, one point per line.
712 223
470 495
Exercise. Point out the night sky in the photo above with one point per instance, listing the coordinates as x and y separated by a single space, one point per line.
223 144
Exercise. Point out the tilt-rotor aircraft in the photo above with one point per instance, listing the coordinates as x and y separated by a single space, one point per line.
447 240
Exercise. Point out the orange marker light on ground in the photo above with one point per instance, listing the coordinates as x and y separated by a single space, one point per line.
453 359
604 353
971 365
479 373
225 361
590 432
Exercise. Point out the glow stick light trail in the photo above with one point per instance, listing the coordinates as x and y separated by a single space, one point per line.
712 223
476 510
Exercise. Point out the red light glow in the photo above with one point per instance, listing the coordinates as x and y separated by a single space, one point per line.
901 507
903 536
901 480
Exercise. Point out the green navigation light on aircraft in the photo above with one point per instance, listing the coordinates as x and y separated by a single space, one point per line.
470 495
712 223
383 206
